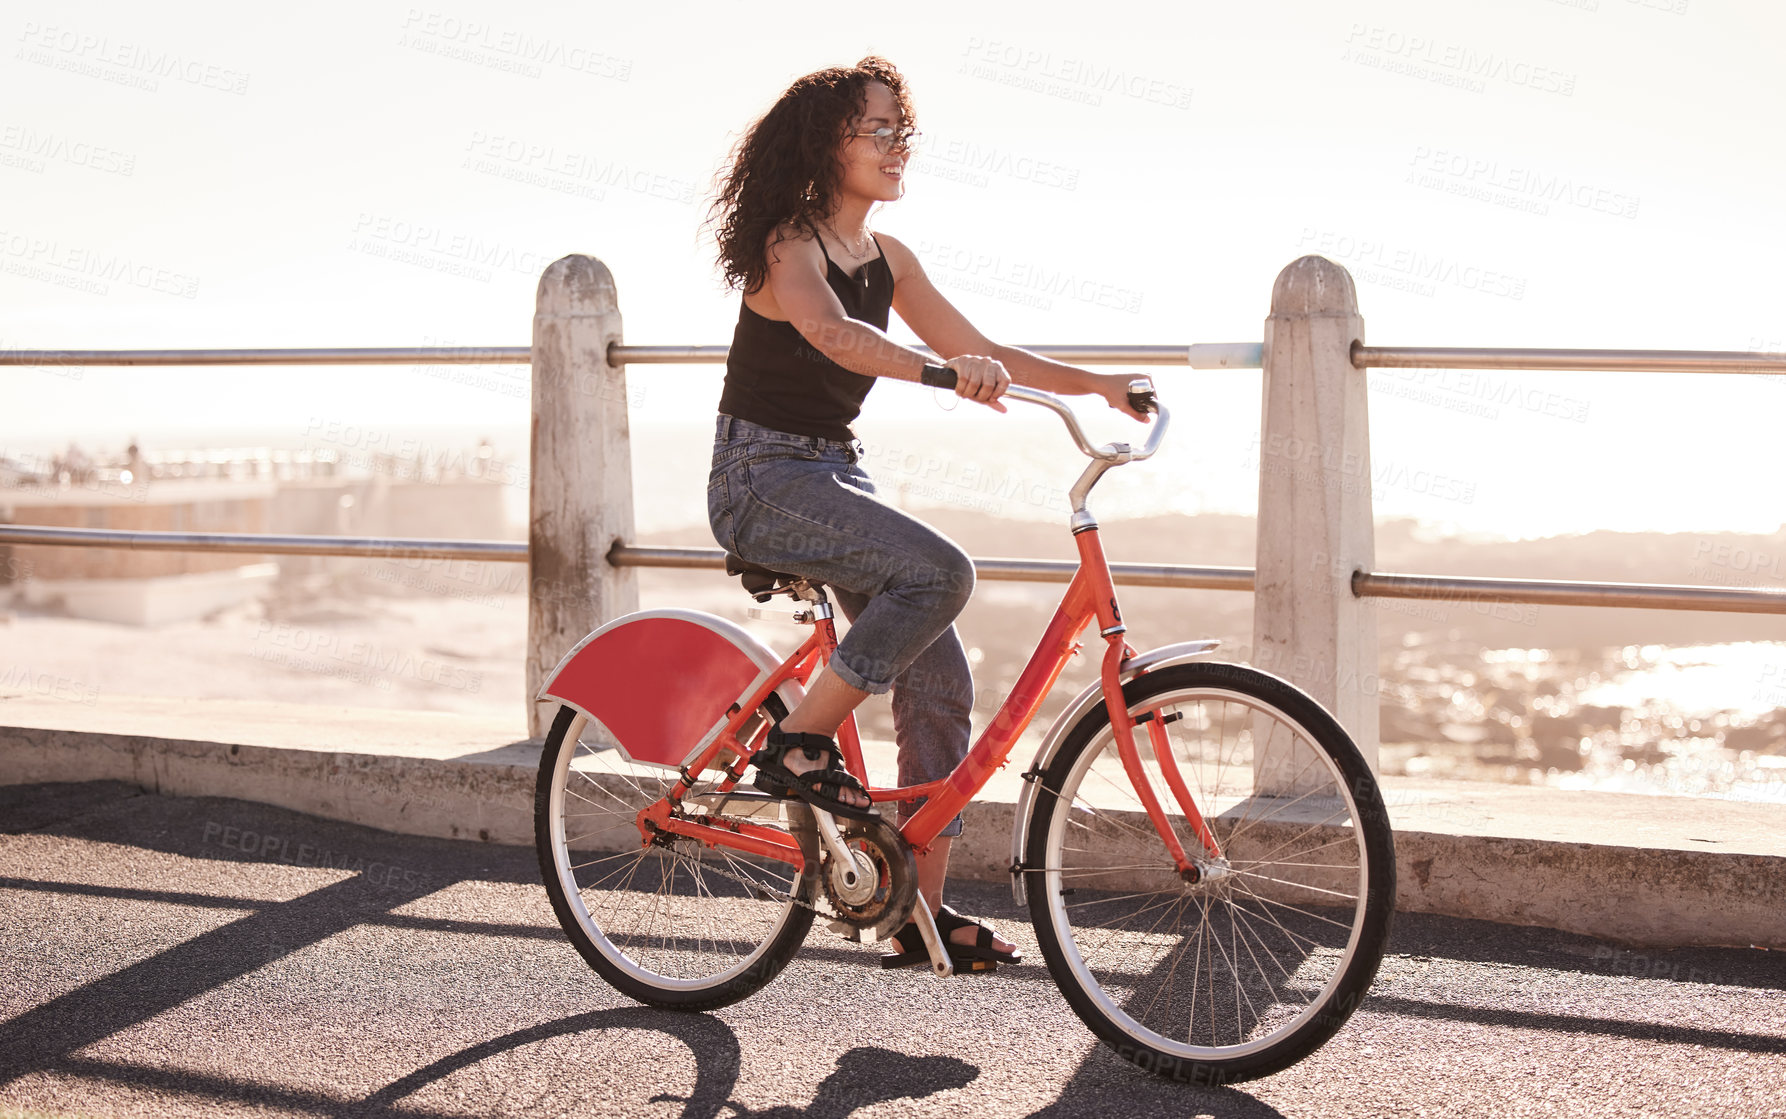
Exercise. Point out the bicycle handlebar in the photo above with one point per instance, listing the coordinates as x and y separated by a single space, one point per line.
1141 397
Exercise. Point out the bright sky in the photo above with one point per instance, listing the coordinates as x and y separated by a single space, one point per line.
1601 173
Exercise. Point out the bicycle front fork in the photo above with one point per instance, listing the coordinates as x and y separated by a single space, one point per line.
1124 728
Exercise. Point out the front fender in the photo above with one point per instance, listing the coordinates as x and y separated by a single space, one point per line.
1083 702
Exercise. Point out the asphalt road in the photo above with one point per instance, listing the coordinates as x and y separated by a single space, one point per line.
172 956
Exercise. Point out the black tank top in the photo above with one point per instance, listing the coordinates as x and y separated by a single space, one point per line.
776 378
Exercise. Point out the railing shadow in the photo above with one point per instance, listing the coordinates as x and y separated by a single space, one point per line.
51 1036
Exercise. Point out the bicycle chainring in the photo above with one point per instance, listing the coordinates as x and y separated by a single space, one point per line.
876 913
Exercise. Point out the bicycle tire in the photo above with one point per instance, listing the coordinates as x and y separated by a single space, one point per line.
670 925
1309 886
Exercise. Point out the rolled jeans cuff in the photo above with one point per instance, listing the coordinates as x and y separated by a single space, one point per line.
855 679
909 809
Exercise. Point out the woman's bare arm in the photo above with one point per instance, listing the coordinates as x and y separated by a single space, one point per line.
797 281
947 331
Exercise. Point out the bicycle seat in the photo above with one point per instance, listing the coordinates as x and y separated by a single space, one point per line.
761 582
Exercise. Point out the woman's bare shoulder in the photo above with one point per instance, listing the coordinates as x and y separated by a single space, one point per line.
788 238
787 243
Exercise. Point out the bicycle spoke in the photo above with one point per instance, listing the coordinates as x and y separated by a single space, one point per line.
1175 955
1107 901
1296 885
1093 811
606 858
1285 905
1319 823
1239 914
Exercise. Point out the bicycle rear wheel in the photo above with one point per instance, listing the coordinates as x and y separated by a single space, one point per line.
1252 967
675 924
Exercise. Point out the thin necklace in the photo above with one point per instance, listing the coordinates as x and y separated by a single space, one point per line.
859 250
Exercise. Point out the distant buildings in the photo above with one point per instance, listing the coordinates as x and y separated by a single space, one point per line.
454 493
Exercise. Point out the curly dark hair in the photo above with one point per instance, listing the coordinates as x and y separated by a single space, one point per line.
785 168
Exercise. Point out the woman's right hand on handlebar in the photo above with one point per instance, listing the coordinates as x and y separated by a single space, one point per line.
1114 388
980 378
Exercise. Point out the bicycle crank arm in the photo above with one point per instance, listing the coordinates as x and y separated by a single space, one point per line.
933 940
834 843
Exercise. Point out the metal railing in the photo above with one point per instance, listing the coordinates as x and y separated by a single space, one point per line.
1650 596
1238 355
1199 355
1202 355
1226 355
257 543
1002 570
1642 596
391 355
1614 361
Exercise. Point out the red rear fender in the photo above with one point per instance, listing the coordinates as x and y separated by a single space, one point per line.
657 681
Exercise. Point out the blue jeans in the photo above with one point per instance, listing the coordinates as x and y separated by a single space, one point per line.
802 504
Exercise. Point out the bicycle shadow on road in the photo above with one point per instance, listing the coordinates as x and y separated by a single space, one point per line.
864 1076
712 1043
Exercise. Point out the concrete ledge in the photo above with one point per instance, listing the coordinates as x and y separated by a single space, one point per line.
1635 896
449 799
1641 871
415 772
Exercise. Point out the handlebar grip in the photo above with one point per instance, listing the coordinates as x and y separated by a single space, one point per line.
937 376
1142 397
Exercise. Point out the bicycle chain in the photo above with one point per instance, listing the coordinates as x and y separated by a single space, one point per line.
807 837
755 886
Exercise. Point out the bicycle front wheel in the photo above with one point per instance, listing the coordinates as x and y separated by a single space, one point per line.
1261 958
674 923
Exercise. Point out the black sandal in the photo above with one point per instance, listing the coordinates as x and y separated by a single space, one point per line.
977 956
819 788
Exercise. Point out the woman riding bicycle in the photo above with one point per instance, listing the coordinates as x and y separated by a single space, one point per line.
787 490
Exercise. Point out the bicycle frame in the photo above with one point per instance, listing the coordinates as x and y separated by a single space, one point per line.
1091 595
1208 967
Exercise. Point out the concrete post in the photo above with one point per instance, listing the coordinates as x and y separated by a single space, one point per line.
581 488
1315 524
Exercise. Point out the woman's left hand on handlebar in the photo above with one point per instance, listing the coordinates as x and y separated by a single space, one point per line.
981 378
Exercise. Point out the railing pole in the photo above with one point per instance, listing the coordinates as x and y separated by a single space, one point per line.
581 486
1314 523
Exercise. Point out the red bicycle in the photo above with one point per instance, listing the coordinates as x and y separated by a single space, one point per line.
1204 852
